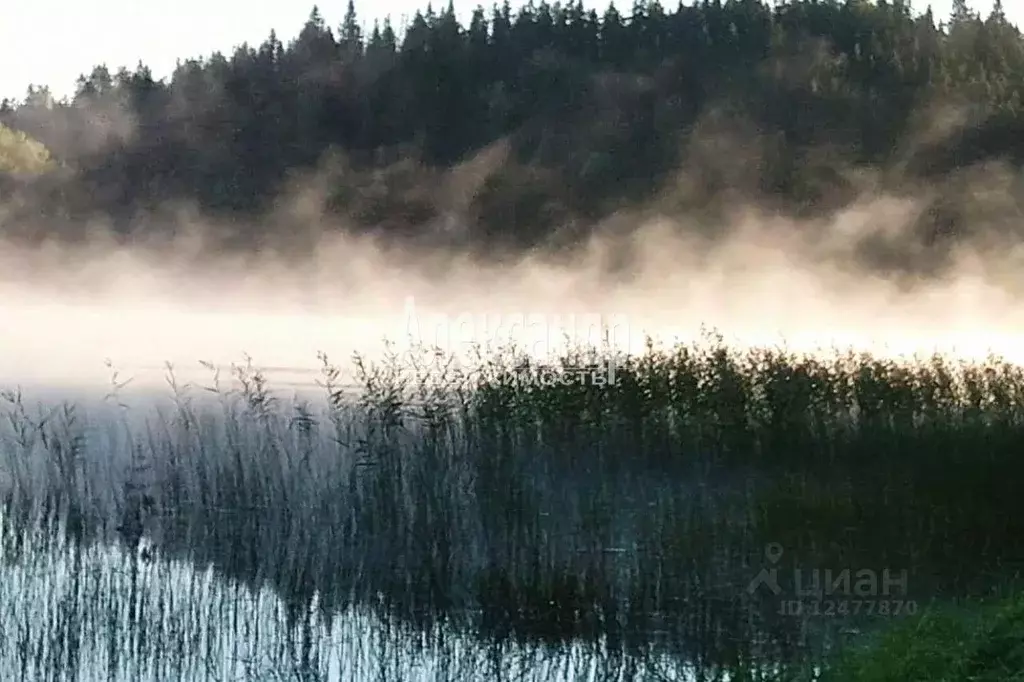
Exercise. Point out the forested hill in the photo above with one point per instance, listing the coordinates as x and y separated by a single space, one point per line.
559 115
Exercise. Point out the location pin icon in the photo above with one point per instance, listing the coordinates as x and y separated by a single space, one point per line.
773 552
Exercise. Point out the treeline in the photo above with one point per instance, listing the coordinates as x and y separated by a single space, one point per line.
593 110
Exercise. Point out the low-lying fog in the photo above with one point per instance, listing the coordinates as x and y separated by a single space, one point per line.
67 313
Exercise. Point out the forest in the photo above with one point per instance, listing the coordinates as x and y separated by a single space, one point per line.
554 116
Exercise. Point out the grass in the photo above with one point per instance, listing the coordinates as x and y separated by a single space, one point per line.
982 642
625 518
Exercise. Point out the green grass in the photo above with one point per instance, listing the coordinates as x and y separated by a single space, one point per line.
970 643
629 516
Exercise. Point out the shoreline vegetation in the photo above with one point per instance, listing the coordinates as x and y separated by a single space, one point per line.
633 515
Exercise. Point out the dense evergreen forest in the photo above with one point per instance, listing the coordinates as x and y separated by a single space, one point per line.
548 117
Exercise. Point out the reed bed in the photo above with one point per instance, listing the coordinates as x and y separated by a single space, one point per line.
629 516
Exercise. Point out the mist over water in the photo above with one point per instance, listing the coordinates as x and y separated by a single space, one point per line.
69 311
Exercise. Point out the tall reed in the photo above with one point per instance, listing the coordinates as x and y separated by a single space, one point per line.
470 497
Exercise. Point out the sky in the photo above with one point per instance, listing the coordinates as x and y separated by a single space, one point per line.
51 42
